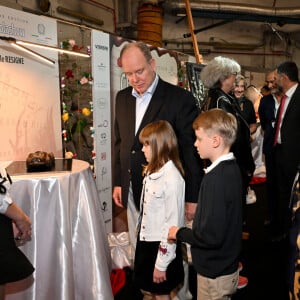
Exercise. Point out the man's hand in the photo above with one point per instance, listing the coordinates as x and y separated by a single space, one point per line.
190 210
117 196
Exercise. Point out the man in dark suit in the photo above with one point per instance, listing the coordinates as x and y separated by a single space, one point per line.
148 99
287 146
286 161
267 115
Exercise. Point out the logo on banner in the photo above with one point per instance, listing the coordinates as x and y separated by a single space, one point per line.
104 206
103 138
41 29
101 47
103 172
102 66
12 30
101 103
103 156
103 124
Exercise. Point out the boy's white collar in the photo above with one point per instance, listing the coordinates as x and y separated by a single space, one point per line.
227 156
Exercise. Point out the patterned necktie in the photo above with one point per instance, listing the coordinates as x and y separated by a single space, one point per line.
279 119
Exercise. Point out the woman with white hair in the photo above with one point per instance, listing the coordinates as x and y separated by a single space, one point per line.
219 76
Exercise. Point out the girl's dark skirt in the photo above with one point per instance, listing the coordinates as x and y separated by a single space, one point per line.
14 265
145 257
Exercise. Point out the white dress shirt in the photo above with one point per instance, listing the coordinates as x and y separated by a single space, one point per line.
142 102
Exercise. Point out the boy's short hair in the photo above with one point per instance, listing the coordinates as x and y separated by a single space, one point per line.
217 121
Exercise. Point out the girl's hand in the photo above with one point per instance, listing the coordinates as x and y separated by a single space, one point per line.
159 276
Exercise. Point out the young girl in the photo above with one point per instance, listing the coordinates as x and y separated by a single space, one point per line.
158 267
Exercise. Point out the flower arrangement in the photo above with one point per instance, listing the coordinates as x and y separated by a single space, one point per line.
71 45
76 106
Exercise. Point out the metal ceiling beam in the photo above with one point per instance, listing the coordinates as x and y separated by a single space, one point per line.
246 12
244 17
186 35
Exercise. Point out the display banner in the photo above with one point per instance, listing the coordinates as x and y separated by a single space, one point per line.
30 115
102 121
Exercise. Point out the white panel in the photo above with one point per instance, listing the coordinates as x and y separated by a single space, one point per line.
102 121
30 116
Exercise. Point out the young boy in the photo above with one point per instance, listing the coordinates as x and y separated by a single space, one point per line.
216 234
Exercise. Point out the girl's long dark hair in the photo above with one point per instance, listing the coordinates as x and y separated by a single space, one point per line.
163 142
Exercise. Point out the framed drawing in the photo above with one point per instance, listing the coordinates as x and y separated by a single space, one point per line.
196 86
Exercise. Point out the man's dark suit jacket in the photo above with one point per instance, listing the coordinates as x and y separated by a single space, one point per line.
266 111
290 135
170 103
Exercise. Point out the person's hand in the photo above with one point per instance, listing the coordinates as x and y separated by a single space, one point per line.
16 231
24 227
22 224
190 210
117 196
159 276
172 233
21 221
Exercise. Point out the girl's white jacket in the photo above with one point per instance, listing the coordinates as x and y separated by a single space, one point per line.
162 206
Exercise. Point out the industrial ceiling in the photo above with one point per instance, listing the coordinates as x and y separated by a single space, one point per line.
277 12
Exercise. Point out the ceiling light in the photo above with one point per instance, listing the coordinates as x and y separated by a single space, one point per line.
33 53
59 50
12 42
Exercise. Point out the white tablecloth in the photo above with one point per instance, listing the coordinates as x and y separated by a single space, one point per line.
69 246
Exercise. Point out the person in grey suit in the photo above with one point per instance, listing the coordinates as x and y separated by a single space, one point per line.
148 99
287 146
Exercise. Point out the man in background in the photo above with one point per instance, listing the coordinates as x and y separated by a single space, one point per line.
286 143
267 115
